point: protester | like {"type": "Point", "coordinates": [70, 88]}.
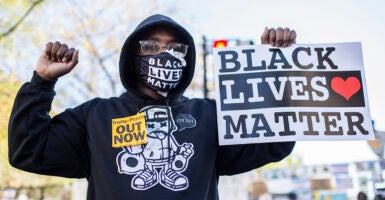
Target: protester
{"type": "Point", "coordinates": [180, 159]}
{"type": "Point", "coordinates": [361, 196]}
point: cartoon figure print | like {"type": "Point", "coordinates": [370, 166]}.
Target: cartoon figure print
{"type": "Point", "coordinates": [162, 159]}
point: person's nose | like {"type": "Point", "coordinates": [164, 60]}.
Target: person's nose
{"type": "Point", "coordinates": [163, 48]}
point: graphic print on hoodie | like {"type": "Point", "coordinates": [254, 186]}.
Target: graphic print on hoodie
{"type": "Point", "coordinates": [162, 159]}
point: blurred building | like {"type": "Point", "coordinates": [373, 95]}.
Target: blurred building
{"type": "Point", "coordinates": [237, 186]}
{"type": "Point", "coordinates": [329, 181]}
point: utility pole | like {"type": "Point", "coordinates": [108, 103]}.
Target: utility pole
{"type": "Point", "coordinates": [205, 53]}
{"type": "Point", "coordinates": [217, 44]}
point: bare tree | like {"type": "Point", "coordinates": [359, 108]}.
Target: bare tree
{"type": "Point", "coordinates": [97, 28]}
{"type": "Point", "coordinates": [107, 26]}
{"type": "Point", "coordinates": [19, 20]}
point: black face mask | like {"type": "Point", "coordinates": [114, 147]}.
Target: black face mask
{"type": "Point", "coordinates": [161, 72]}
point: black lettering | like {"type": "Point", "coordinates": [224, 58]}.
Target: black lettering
{"type": "Point", "coordinates": [275, 60]}
{"type": "Point", "coordinates": [175, 75]}
{"type": "Point", "coordinates": [233, 59]}
{"type": "Point", "coordinates": [322, 58]}
{"type": "Point", "coordinates": [309, 116]}
{"type": "Point", "coordinates": [229, 122]}
{"type": "Point", "coordinates": [139, 135]}
{"type": "Point", "coordinates": [332, 122]}
{"type": "Point", "coordinates": [128, 129]}
{"type": "Point", "coordinates": [127, 138]}
{"type": "Point", "coordinates": [357, 124]}
{"type": "Point", "coordinates": [120, 129]}
{"type": "Point", "coordinates": [166, 73]}
{"type": "Point", "coordinates": [285, 117]}
{"type": "Point", "coordinates": [118, 139]}
{"type": "Point", "coordinates": [249, 66]}
{"type": "Point", "coordinates": [138, 126]}
{"type": "Point", "coordinates": [295, 57]}
{"type": "Point", "coordinates": [265, 126]}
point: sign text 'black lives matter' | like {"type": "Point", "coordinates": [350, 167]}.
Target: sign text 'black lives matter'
{"type": "Point", "coordinates": [304, 92]}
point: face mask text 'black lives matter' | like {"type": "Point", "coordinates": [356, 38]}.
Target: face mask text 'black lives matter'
{"type": "Point", "coordinates": [161, 72]}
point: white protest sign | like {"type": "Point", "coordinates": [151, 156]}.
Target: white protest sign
{"type": "Point", "coordinates": [303, 92]}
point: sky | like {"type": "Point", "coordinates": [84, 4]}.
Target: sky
{"type": "Point", "coordinates": [326, 21]}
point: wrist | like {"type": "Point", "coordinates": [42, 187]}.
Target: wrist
{"type": "Point", "coordinates": [45, 76]}
{"type": "Point", "coordinates": [43, 83]}
{"type": "Point", "coordinates": [38, 80]}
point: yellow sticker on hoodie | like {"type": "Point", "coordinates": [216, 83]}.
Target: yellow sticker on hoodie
{"type": "Point", "coordinates": [129, 131]}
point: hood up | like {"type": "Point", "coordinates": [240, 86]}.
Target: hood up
{"type": "Point", "coordinates": [127, 65]}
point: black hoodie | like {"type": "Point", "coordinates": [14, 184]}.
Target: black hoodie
{"type": "Point", "coordinates": [180, 160]}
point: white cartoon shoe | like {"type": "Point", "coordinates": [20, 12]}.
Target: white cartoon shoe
{"type": "Point", "coordinates": [173, 180]}
{"type": "Point", "coordinates": [145, 179]}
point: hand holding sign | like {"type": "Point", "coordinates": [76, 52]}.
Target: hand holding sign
{"type": "Point", "coordinates": [278, 37]}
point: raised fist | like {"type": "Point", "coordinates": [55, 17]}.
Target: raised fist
{"type": "Point", "coordinates": [56, 60]}
{"type": "Point", "coordinates": [278, 37]}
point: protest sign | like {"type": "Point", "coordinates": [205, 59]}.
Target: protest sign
{"type": "Point", "coordinates": [302, 92]}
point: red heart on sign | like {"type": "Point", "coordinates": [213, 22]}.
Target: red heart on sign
{"type": "Point", "coordinates": [346, 88]}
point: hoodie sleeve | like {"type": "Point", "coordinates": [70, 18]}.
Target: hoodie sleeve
{"type": "Point", "coordinates": [235, 159]}
{"type": "Point", "coordinates": [41, 144]}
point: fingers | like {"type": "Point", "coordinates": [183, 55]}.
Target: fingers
{"type": "Point", "coordinates": [58, 52]}
{"type": "Point", "coordinates": [68, 55]}
{"type": "Point", "coordinates": [293, 37]}
{"type": "Point", "coordinates": [268, 36]}
{"type": "Point", "coordinates": [278, 37]}
{"type": "Point", "coordinates": [272, 37]}
{"type": "Point", "coordinates": [47, 50]}
{"type": "Point", "coordinates": [74, 59]}
{"type": "Point", "coordinates": [265, 36]}
{"type": "Point", "coordinates": [55, 48]}
{"type": "Point", "coordinates": [286, 37]}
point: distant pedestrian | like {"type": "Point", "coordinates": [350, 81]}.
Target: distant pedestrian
{"type": "Point", "coordinates": [362, 196]}
{"type": "Point", "coordinates": [292, 196]}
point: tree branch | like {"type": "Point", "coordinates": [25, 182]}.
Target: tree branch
{"type": "Point", "coordinates": [13, 28]}
{"type": "Point", "coordinates": [95, 53]}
